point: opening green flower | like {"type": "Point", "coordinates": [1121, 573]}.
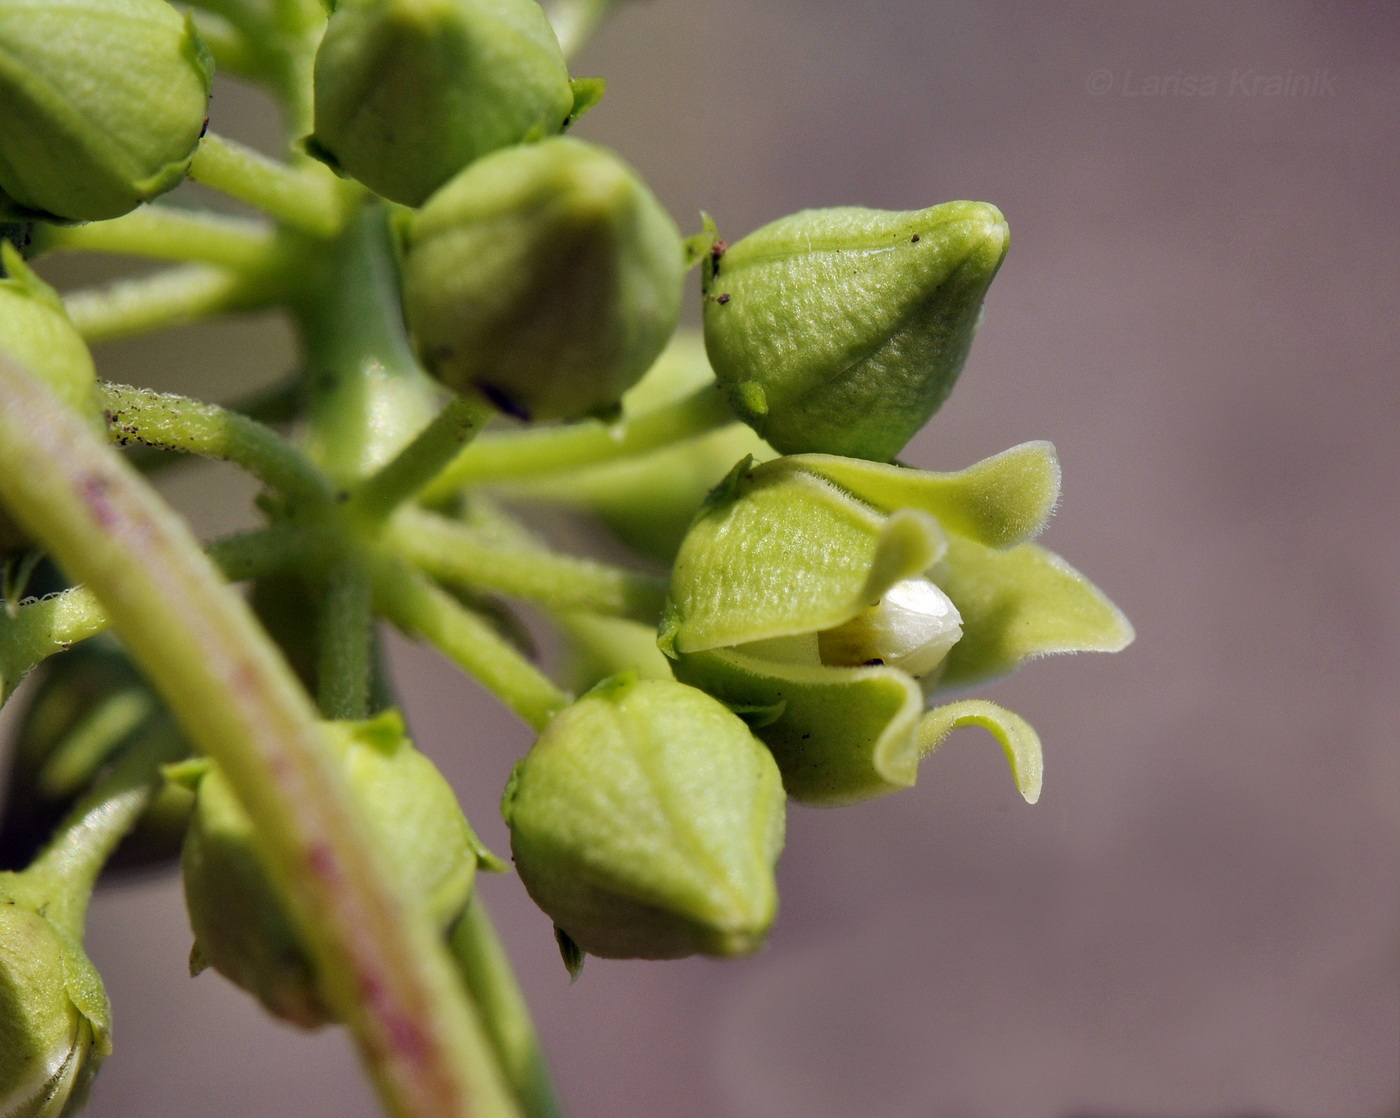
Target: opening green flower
{"type": "Point", "coordinates": [823, 597]}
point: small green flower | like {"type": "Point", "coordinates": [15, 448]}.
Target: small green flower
{"type": "Point", "coordinates": [646, 822]}
{"type": "Point", "coordinates": [102, 104]}
{"type": "Point", "coordinates": [547, 277]}
{"type": "Point", "coordinates": [240, 925]}
{"type": "Point", "coordinates": [36, 332]}
{"type": "Point", "coordinates": [822, 596]}
{"type": "Point", "coordinates": [842, 331]}
{"type": "Point", "coordinates": [408, 92]}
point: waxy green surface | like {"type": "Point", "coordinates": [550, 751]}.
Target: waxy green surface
{"type": "Point", "coordinates": [646, 822]}
{"type": "Point", "coordinates": [34, 329]}
{"type": "Point", "coordinates": [54, 1018]}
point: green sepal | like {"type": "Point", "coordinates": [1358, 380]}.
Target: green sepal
{"type": "Point", "coordinates": [36, 331]}
{"type": "Point", "coordinates": [571, 954]}
{"type": "Point", "coordinates": [55, 1020]}
{"type": "Point", "coordinates": [841, 735]}
{"type": "Point", "coordinates": [20, 278]}
{"type": "Point", "coordinates": [106, 103]}
{"type": "Point", "coordinates": [700, 245]}
{"type": "Point", "coordinates": [408, 94]}
{"type": "Point", "coordinates": [587, 93]}
{"type": "Point", "coordinates": [545, 276]}
{"type": "Point", "coordinates": [1018, 604]}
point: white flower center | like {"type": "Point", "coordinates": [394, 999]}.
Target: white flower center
{"type": "Point", "coordinates": [912, 628]}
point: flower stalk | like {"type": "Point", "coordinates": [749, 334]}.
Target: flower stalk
{"type": "Point", "coordinates": [386, 973]}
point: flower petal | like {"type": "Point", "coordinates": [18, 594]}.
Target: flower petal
{"type": "Point", "coordinates": [1000, 501]}
{"type": "Point", "coordinates": [1017, 604]}
{"type": "Point", "coordinates": [1017, 737]}
{"type": "Point", "coordinates": [841, 735]}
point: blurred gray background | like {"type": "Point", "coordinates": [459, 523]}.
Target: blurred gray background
{"type": "Point", "coordinates": [1201, 917]}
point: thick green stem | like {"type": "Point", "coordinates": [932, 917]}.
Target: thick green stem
{"type": "Point", "coordinates": [345, 627]}
{"type": "Point", "coordinates": [401, 479]}
{"type": "Point", "coordinates": [422, 609]}
{"type": "Point", "coordinates": [165, 233]}
{"type": "Point", "coordinates": [171, 298]}
{"type": "Point", "coordinates": [384, 969]}
{"type": "Point", "coordinates": [308, 198]}
{"type": "Point", "coordinates": [548, 450]}
{"type": "Point", "coordinates": [460, 555]}
{"type": "Point", "coordinates": [177, 423]}
{"type": "Point", "coordinates": [367, 396]}
{"type": "Point", "coordinates": [487, 972]}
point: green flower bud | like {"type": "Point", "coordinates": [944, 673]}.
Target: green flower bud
{"type": "Point", "coordinates": [36, 332]}
{"type": "Point", "coordinates": [546, 276]}
{"type": "Point", "coordinates": [102, 104]}
{"type": "Point", "coordinates": [408, 92]}
{"type": "Point", "coordinates": [823, 596]}
{"type": "Point", "coordinates": [240, 925]}
{"type": "Point", "coordinates": [646, 822]}
{"type": "Point", "coordinates": [55, 1023]}
{"type": "Point", "coordinates": [842, 331]}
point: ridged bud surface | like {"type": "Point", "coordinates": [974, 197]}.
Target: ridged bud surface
{"type": "Point", "coordinates": [546, 276]}
{"type": "Point", "coordinates": [408, 92]}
